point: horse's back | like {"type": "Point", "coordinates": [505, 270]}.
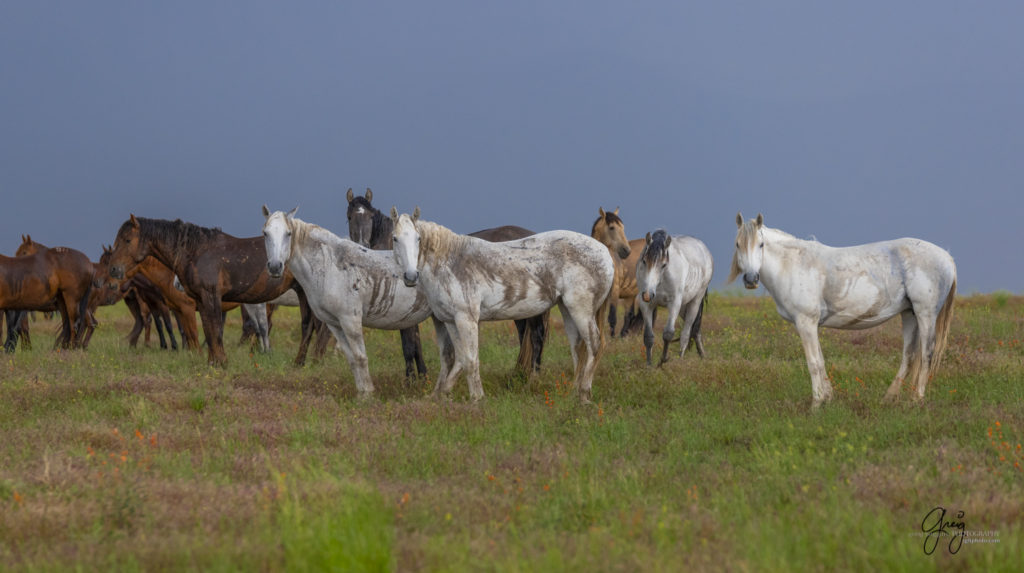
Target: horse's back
{"type": "Point", "coordinates": [503, 233]}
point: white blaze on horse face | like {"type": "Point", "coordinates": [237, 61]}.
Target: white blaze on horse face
{"type": "Point", "coordinates": [648, 279]}
{"type": "Point", "coordinates": [406, 249]}
{"type": "Point", "coordinates": [277, 240]}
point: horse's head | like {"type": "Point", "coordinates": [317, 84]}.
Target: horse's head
{"type": "Point", "coordinates": [277, 238]}
{"type": "Point", "coordinates": [129, 248]}
{"type": "Point", "coordinates": [360, 217]}
{"type": "Point", "coordinates": [652, 264]}
{"type": "Point", "coordinates": [104, 287]}
{"type": "Point", "coordinates": [28, 247]}
{"type": "Point", "coordinates": [611, 231]}
{"type": "Point", "coordinates": [406, 245]}
{"type": "Point", "coordinates": [749, 251]}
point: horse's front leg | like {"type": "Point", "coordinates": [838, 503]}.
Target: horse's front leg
{"type": "Point", "coordinates": [467, 354]}
{"type": "Point", "coordinates": [648, 311]}
{"type": "Point", "coordinates": [450, 367]}
{"type": "Point", "coordinates": [669, 332]}
{"type": "Point", "coordinates": [350, 336]}
{"type": "Point", "coordinates": [821, 387]}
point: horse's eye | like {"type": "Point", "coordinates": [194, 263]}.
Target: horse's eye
{"type": "Point", "coordinates": [737, 244]}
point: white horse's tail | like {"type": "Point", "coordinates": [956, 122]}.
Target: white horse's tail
{"type": "Point", "coordinates": [942, 329]}
{"type": "Point", "coordinates": [695, 329]}
{"type": "Point", "coordinates": [942, 321]}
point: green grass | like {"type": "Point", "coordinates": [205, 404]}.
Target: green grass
{"type": "Point", "coordinates": [142, 459]}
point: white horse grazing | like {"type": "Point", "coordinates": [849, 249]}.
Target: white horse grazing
{"type": "Point", "coordinates": [348, 286]}
{"type": "Point", "coordinates": [673, 272]}
{"type": "Point", "coordinates": [853, 288]}
{"type": "Point", "coordinates": [467, 280]}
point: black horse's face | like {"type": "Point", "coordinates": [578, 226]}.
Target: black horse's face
{"type": "Point", "coordinates": [360, 221]}
{"type": "Point", "coordinates": [129, 249]}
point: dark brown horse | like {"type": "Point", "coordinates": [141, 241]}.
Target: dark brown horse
{"type": "Point", "coordinates": [371, 228]}
{"type": "Point", "coordinates": [212, 266]}
{"type": "Point", "coordinates": [58, 279]}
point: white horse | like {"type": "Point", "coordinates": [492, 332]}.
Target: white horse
{"type": "Point", "coordinates": [467, 280]}
{"type": "Point", "coordinates": [348, 286]}
{"type": "Point", "coordinates": [853, 288]}
{"type": "Point", "coordinates": [673, 272]}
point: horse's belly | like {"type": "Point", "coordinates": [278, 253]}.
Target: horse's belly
{"type": "Point", "coordinates": [863, 316]}
{"type": "Point", "coordinates": [515, 311]}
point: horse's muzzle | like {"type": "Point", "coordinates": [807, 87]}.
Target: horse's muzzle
{"type": "Point", "coordinates": [275, 269]}
{"type": "Point", "coordinates": [410, 278]}
{"type": "Point", "coordinates": [624, 251]}
{"type": "Point", "coordinates": [647, 296]}
{"type": "Point", "coordinates": [750, 280]}
{"type": "Point", "coordinates": [117, 272]}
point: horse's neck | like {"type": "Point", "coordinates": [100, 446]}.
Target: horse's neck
{"type": "Point", "coordinates": [778, 249]}
{"type": "Point", "coordinates": [380, 235]}
{"type": "Point", "coordinates": [172, 253]}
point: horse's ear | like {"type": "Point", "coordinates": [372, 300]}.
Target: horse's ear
{"type": "Point", "coordinates": [600, 211]}
{"type": "Point", "coordinates": [266, 212]}
{"type": "Point", "coordinates": [759, 221]}
{"type": "Point", "coordinates": [616, 211]}
{"type": "Point", "coordinates": [349, 195]}
{"type": "Point", "coordinates": [648, 238]}
{"type": "Point", "coordinates": [416, 214]}
{"type": "Point", "coordinates": [739, 219]}
{"type": "Point", "coordinates": [369, 194]}
{"type": "Point", "coordinates": [394, 213]}
{"type": "Point", "coordinates": [135, 222]}
{"type": "Point", "coordinates": [291, 214]}
{"type": "Point", "coordinates": [668, 241]}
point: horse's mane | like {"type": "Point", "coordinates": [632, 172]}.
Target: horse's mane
{"type": "Point", "coordinates": [183, 237]}
{"type": "Point", "coordinates": [656, 248]}
{"type": "Point", "coordinates": [609, 218]}
{"type": "Point", "coordinates": [441, 242]}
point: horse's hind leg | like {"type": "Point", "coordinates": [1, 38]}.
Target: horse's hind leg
{"type": "Point", "coordinates": [909, 355]}
{"type": "Point", "coordinates": [582, 327]}
{"type": "Point", "coordinates": [412, 350]}
{"type": "Point", "coordinates": [926, 336]}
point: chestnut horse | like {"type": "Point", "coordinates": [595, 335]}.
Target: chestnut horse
{"type": "Point", "coordinates": [212, 266]}
{"type": "Point", "coordinates": [58, 279]}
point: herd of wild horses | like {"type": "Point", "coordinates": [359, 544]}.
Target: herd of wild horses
{"type": "Point", "coordinates": [396, 270]}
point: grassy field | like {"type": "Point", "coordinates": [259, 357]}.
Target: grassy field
{"type": "Point", "coordinates": [142, 459]}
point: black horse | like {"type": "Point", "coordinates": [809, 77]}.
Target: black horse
{"type": "Point", "coordinates": [371, 228]}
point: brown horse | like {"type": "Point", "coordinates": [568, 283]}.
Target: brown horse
{"type": "Point", "coordinates": [58, 279]}
{"type": "Point", "coordinates": [611, 231]}
{"type": "Point", "coordinates": [212, 267]}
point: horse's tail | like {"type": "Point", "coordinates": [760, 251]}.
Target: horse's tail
{"type": "Point", "coordinates": [695, 329]}
{"type": "Point", "coordinates": [942, 329]}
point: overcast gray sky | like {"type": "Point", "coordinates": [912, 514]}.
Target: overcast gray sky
{"type": "Point", "coordinates": [850, 122]}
